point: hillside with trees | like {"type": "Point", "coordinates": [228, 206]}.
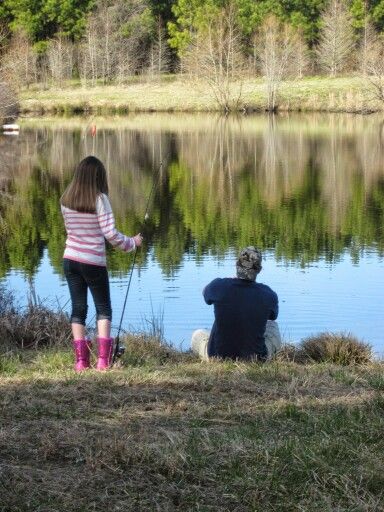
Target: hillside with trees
{"type": "Point", "coordinates": [221, 42]}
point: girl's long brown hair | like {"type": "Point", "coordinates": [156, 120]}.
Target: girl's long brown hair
{"type": "Point", "coordinates": [89, 180]}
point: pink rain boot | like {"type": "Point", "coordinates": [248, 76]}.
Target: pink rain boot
{"type": "Point", "coordinates": [105, 349]}
{"type": "Point", "coordinates": [82, 354]}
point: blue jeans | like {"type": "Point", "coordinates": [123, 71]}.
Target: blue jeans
{"type": "Point", "coordinates": [80, 277]}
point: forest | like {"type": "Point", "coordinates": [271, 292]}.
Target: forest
{"type": "Point", "coordinates": [104, 41]}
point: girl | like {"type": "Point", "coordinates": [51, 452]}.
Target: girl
{"type": "Point", "coordinates": [88, 221]}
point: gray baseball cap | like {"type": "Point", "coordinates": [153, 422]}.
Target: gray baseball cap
{"type": "Point", "coordinates": [248, 264]}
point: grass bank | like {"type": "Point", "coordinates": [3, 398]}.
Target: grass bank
{"type": "Point", "coordinates": [167, 432]}
{"type": "Point", "coordinates": [315, 94]}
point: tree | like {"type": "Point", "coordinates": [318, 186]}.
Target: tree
{"type": "Point", "coordinates": [4, 37]}
{"type": "Point", "coordinates": [60, 57]}
{"type": "Point", "coordinates": [301, 14]}
{"type": "Point", "coordinates": [159, 53]}
{"type": "Point", "coordinates": [191, 15]}
{"type": "Point", "coordinates": [277, 47]}
{"type": "Point", "coordinates": [377, 13]}
{"type": "Point", "coordinates": [116, 41]}
{"type": "Point", "coordinates": [19, 64]}
{"type": "Point", "coordinates": [162, 9]}
{"type": "Point", "coordinates": [336, 41]}
{"type": "Point", "coordinates": [214, 55]}
{"type": "Point", "coordinates": [43, 19]}
{"type": "Point", "coordinates": [367, 47]}
{"type": "Point", "coordinates": [374, 65]}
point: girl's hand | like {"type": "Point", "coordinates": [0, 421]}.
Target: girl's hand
{"type": "Point", "coordinates": [138, 239]}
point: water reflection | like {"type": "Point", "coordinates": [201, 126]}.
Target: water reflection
{"type": "Point", "coordinates": [306, 187]}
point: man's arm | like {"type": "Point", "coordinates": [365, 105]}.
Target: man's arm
{"type": "Point", "coordinates": [210, 291]}
{"type": "Point", "coordinates": [275, 308]}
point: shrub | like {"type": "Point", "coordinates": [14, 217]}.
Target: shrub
{"type": "Point", "coordinates": [342, 348]}
{"type": "Point", "coordinates": [33, 327]}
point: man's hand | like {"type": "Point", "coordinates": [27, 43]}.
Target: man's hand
{"type": "Point", "coordinates": [138, 239]}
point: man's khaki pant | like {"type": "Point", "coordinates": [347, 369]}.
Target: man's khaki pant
{"type": "Point", "coordinates": [199, 342]}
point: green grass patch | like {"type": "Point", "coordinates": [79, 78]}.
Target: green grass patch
{"type": "Point", "coordinates": [178, 94]}
{"type": "Point", "coordinates": [165, 431]}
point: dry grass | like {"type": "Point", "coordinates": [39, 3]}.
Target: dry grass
{"type": "Point", "coordinates": [314, 94]}
{"type": "Point", "coordinates": [342, 349]}
{"type": "Point", "coordinates": [34, 326]}
{"type": "Point", "coordinates": [166, 432]}
{"type": "Point", "coordinates": [190, 436]}
{"type": "Point", "coordinates": [143, 349]}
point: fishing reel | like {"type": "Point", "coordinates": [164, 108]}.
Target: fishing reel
{"type": "Point", "coordinates": [120, 351]}
{"type": "Point", "coordinates": [117, 353]}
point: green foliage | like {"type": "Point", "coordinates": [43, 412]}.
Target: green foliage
{"type": "Point", "coordinates": [5, 14]}
{"type": "Point", "coordinates": [43, 19]}
{"type": "Point", "coordinates": [162, 8]}
{"type": "Point", "coordinates": [378, 13]}
{"type": "Point", "coordinates": [191, 15]}
{"type": "Point", "coordinates": [143, 22]}
{"type": "Point", "coordinates": [359, 14]}
{"type": "Point", "coordinates": [187, 13]}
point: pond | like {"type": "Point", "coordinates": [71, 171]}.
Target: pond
{"type": "Point", "coordinates": [306, 189]}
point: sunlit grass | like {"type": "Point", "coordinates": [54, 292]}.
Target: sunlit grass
{"type": "Point", "coordinates": [165, 431]}
{"type": "Point", "coordinates": [342, 94]}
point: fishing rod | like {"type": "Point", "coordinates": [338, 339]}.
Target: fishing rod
{"type": "Point", "coordinates": [120, 349]}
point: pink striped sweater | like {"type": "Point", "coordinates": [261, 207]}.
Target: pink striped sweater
{"type": "Point", "coordinates": [86, 233]}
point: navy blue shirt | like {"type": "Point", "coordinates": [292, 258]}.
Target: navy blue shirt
{"type": "Point", "coordinates": [242, 309]}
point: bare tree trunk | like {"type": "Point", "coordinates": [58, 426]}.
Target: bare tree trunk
{"type": "Point", "coordinates": [60, 60]}
{"type": "Point", "coordinates": [215, 57]}
{"type": "Point", "coordinates": [368, 47]}
{"type": "Point", "coordinates": [277, 45]}
{"type": "Point", "coordinates": [19, 62]}
{"type": "Point", "coordinates": [159, 53]}
{"type": "Point", "coordinates": [374, 67]}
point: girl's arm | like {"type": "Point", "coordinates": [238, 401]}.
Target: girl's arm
{"type": "Point", "coordinates": [107, 225]}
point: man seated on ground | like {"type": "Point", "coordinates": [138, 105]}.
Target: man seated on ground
{"type": "Point", "coordinates": [245, 311]}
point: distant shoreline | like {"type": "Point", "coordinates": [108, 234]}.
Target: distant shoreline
{"type": "Point", "coordinates": [314, 94]}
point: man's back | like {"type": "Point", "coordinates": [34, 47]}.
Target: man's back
{"type": "Point", "coordinates": [242, 308]}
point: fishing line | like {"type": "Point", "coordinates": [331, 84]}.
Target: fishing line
{"type": "Point", "coordinates": [120, 349]}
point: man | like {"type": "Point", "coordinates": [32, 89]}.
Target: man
{"type": "Point", "coordinates": [245, 311]}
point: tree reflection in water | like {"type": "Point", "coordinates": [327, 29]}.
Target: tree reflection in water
{"type": "Point", "coordinates": [307, 187]}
